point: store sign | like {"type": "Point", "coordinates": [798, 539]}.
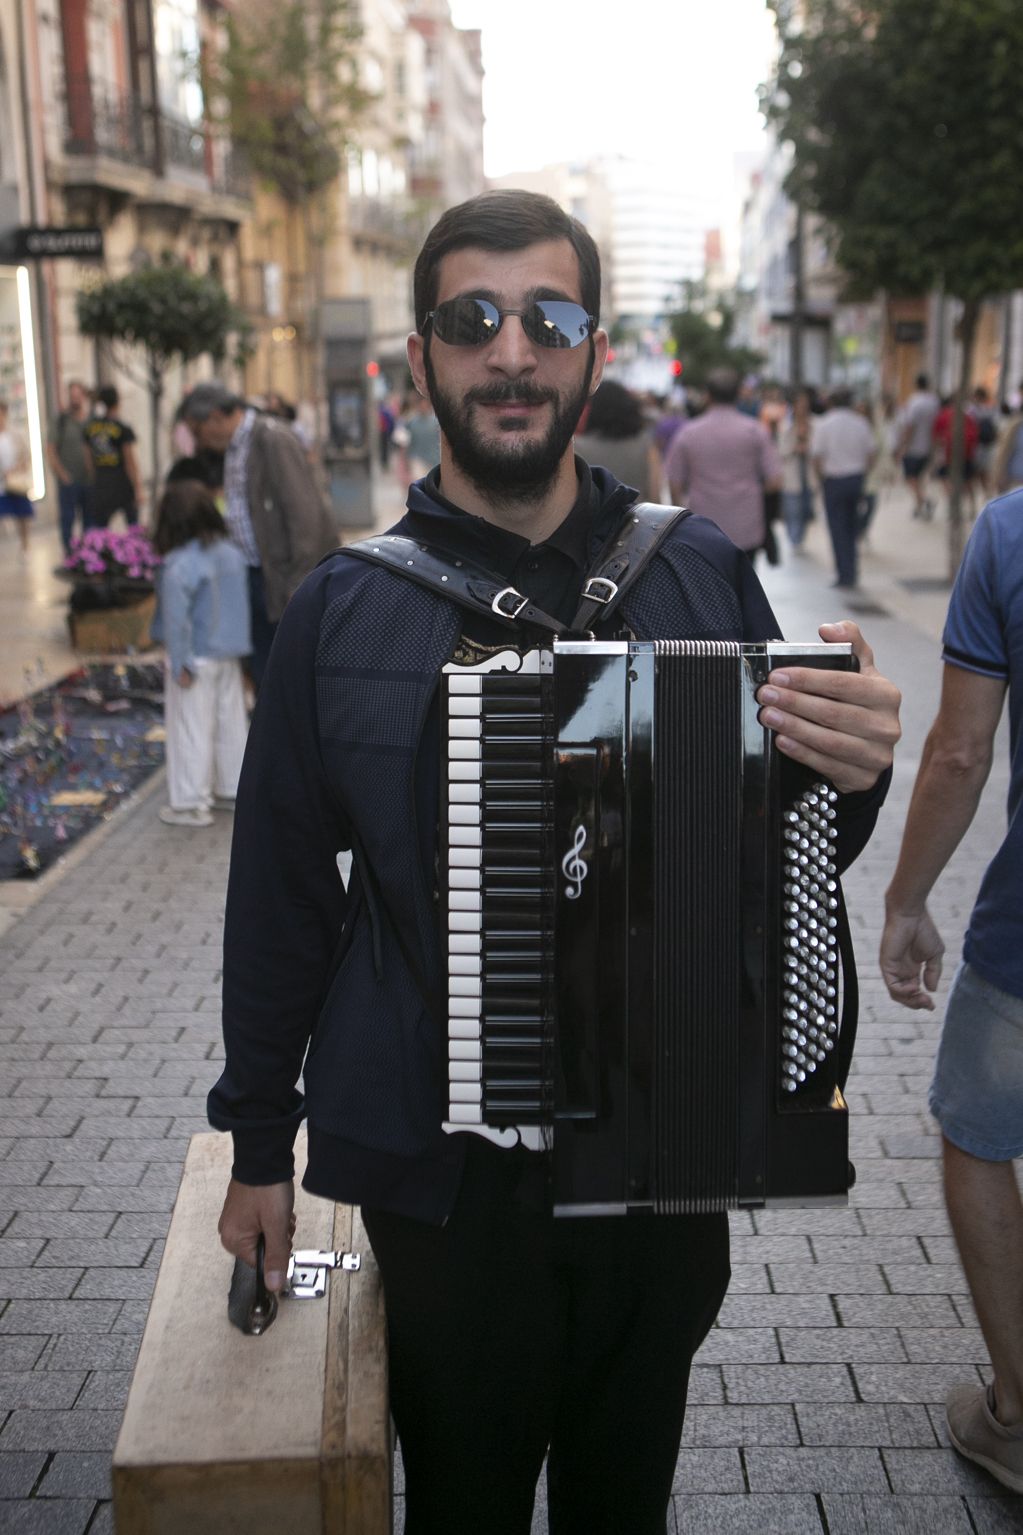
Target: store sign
{"type": "Point", "coordinates": [80, 244]}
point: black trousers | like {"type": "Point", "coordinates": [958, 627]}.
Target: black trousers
{"type": "Point", "coordinates": [513, 1334]}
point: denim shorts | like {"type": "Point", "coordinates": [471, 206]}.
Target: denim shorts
{"type": "Point", "coordinates": [977, 1092]}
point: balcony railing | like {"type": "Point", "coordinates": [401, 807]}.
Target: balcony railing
{"type": "Point", "coordinates": [375, 218]}
{"type": "Point", "coordinates": [103, 121]}
{"type": "Point", "coordinates": [184, 144]}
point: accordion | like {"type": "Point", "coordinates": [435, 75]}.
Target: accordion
{"type": "Point", "coordinates": [642, 912]}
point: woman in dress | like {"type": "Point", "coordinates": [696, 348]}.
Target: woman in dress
{"type": "Point", "coordinates": [14, 477]}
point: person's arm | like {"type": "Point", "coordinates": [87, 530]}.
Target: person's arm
{"type": "Point", "coordinates": [54, 461]}
{"type": "Point", "coordinates": [305, 532]}
{"type": "Point", "coordinates": [770, 462]}
{"type": "Point", "coordinates": [131, 466]}
{"type": "Point", "coordinates": [953, 771]}
{"type": "Point", "coordinates": [286, 907]}
{"type": "Point", "coordinates": [179, 586]}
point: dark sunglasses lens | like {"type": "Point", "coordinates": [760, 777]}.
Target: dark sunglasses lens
{"type": "Point", "coordinates": [466, 321]}
{"type": "Point", "coordinates": [556, 323]}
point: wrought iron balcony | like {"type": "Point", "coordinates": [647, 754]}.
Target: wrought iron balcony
{"type": "Point", "coordinates": [183, 144]}
{"type": "Point", "coordinates": [100, 120]}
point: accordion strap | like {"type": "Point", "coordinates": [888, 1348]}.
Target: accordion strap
{"type": "Point", "coordinates": [617, 566]}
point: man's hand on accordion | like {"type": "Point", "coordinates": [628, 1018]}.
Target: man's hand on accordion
{"type": "Point", "coordinates": [844, 725]}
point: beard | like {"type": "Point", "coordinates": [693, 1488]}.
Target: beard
{"type": "Point", "coordinates": [512, 471]}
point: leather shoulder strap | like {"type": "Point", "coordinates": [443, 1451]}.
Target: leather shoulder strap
{"type": "Point", "coordinates": [624, 558]}
{"type": "Point", "coordinates": [473, 587]}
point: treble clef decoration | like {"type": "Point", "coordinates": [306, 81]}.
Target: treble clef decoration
{"type": "Point", "coordinates": [574, 868]}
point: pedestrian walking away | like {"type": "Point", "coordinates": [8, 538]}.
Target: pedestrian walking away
{"type": "Point", "coordinates": [843, 451]}
{"type": "Point", "coordinates": [795, 436]}
{"type": "Point", "coordinates": [513, 1333]}
{"type": "Point", "coordinates": [977, 1092]}
{"type": "Point", "coordinates": [916, 426]}
{"type": "Point", "coordinates": [203, 620]}
{"type": "Point", "coordinates": [275, 513]}
{"type": "Point", "coordinates": [116, 481]}
{"type": "Point", "coordinates": [722, 463]}
{"type": "Point", "coordinates": [69, 458]}
{"type": "Point", "coordinates": [618, 438]}
{"type": "Point", "coordinates": [14, 480]}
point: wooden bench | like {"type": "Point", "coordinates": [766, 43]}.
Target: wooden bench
{"type": "Point", "coordinates": [225, 1433]}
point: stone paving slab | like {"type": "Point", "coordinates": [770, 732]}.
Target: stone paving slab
{"type": "Point", "coordinates": [816, 1402]}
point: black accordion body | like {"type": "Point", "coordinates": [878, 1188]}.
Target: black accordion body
{"type": "Point", "coordinates": [642, 914]}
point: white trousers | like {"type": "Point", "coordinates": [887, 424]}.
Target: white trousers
{"type": "Point", "coordinates": [206, 728]}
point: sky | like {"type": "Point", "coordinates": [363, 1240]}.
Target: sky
{"type": "Point", "coordinates": [674, 81]}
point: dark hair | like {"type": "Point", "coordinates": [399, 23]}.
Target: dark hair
{"type": "Point", "coordinates": [505, 219]}
{"type": "Point", "coordinates": [200, 403]}
{"type": "Point", "coordinates": [922, 381]}
{"type": "Point", "coordinates": [207, 468]}
{"type": "Point", "coordinates": [187, 511]}
{"type": "Point", "coordinates": [614, 412]}
{"type": "Point", "coordinates": [723, 385]}
{"type": "Point", "coordinates": [841, 397]}
{"type": "Point", "coordinates": [108, 397]}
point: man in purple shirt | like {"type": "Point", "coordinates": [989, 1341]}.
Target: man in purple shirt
{"type": "Point", "coordinates": [722, 464]}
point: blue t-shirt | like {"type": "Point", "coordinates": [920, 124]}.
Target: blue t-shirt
{"type": "Point", "coordinates": [984, 633]}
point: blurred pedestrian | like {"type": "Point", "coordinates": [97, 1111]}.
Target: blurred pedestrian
{"type": "Point", "coordinates": [773, 409]}
{"type": "Point", "coordinates": [423, 446]}
{"type": "Point", "coordinates": [795, 437]}
{"type": "Point", "coordinates": [721, 464]}
{"type": "Point", "coordinates": [1007, 470]}
{"type": "Point", "coordinates": [14, 477]}
{"type": "Point", "coordinates": [618, 438]}
{"type": "Point", "coordinates": [202, 618]}
{"type": "Point", "coordinates": [69, 459]}
{"type": "Point", "coordinates": [843, 451]}
{"type": "Point", "coordinates": [275, 513]}
{"type": "Point", "coordinates": [916, 428]}
{"type": "Point", "coordinates": [982, 409]}
{"type": "Point", "coordinates": [116, 481]}
{"type": "Point", "coordinates": [944, 431]}
{"type": "Point", "coordinates": [673, 416]}
{"type": "Point", "coordinates": [878, 415]}
{"type": "Point", "coordinates": [977, 1092]}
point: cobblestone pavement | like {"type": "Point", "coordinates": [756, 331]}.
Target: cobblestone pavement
{"type": "Point", "coordinates": [816, 1401]}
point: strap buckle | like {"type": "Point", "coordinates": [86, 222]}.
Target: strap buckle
{"type": "Point", "coordinates": [600, 589]}
{"type": "Point", "coordinates": [516, 602]}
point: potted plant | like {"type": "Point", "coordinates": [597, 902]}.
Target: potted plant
{"type": "Point", "coordinates": [112, 598]}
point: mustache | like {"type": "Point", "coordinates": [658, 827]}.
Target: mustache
{"type": "Point", "coordinates": [520, 392]}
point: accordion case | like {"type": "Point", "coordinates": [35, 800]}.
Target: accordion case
{"type": "Point", "coordinates": [642, 911]}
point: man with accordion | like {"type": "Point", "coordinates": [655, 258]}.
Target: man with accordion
{"type": "Point", "coordinates": [520, 1327]}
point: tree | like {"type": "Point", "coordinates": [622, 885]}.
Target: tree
{"type": "Point", "coordinates": [906, 122]}
{"type": "Point", "coordinates": [702, 332]}
{"type": "Point", "coordinates": [171, 315]}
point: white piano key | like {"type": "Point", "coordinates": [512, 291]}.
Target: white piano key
{"type": "Point", "coordinates": [464, 986]}
{"type": "Point", "coordinates": [464, 1071]}
{"type": "Point", "coordinates": [463, 1028]}
{"type": "Point", "coordinates": [465, 793]}
{"type": "Point", "coordinates": [463, 751]}
{"type": "Point", "coordinates": [463, 815]}
{"type": "Point", "coordinates": [465, 1114]}
{"type": "Point", "coordinates": [462, 705]}
{"type": "Point", "coordinates": [463, 1007]}
{"type": "Point", "coordinates": [464, 772]}
{"type": "Point", "coordinates": [467, 728]}
{"type": "Point", "coordinates": [465, 836]}
{"type": "Point", "coordinates": [465, 900]}
{"type": "Point", "coordinates": [464, 858]}
{"type": "Point", "coordinates": [465, 964]}
{"type": "Point", "coordinates": [471, 682]}
{"type": "Point", "coordinates": [465, 1092]}
{"type": "Point", "coordinates": [464, 922]}
{"type": "Point", "coordinates": [464, 1050]}
{"type": "Point", "coordinates": [464, 943]}
{"type": "Point", "coordinates": [464, 879]}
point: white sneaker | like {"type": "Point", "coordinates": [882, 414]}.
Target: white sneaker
{"type": "Point", "coordinates": [171, 817]}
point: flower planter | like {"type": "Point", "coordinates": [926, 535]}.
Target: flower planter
{"type": "Point", "coordinates": [113, 631]}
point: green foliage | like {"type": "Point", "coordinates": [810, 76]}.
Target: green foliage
{"type": "Point", "coordinates": [288, 79]}
{"type": "Point", "coordinates": [702, 331]}
{"type": "Point", "coordinates": [906, 120]}
{"type": "Point", "coordinates": [166, 310]}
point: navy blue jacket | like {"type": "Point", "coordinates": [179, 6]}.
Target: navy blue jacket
{"type": "Point", "coordinates": [343, 754]}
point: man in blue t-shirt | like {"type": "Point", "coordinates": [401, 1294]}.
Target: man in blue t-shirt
{"type": "Point", "coordinates": [977, 1093]}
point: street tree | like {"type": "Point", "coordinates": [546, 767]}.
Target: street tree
{"type": "Point", "coordinates": [906, 122]}
{"type": "Point", "coordinates": [169, 314]}
{"type": "Point", "coordinates": [701, 330]}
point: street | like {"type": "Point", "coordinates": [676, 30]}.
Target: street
{"type": "Point", "coordinates": [816, 1404]}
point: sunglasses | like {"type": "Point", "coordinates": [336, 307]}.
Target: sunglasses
{"type": "Point", "coordinates": [548, 322]}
